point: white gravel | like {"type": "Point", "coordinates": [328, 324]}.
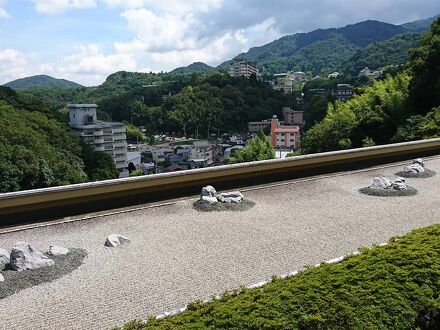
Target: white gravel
{"type": "Point", "coordinates": [178, 255]}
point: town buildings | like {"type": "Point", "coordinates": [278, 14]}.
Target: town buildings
{"type": "Point", "coordinates": [108, 137]}
{"type": "Point", "coordinates": [366, 72]}
{"type": "Point", "coordinates": [290, 117]}
{"type": "Point", "coordinates": [243, 68]}
{"type": "Point", "coordinates": [284, 136]}
{"type": "Point", "coordinates": [343, 92]}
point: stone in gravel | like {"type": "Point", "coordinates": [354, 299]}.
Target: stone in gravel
{"type": "Point", "coordinates": [399, 184]}
{"type": "Point", "coordinates": [230, 197]}
{"type": "Point", "coordinates": [114, 240]}
{"type": "Point", "coordinates": [209, 191]}
{"type": "Point", "coordinates": [208, 200]}
{"type": "Point", "coordinates": [57, 251]}
{"type": "Point", "coordinates": [1, 278]}
{"type": "Point", "coordinates": [419, 161]}
{"type": "Point", "coordinates": [381, 182]}
{"type": "Point", "coordinates": [24, 256]}
{"type": "Point", "coordinates": [4, 258]}
{"type": "Point", "coordinates": [414, 168]}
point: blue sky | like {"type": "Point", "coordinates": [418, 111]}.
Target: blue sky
{"type": "Point", "coordinates": [86, 40]}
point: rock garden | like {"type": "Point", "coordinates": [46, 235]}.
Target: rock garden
{"type": "Point", "coordinates": [384, 187]}
{"type": "Point", "coordinates": [211, 201]}
{"type": "Point", "coordinates": [416, 170]}
{"type": "Point", "coordinates": [25, 266]}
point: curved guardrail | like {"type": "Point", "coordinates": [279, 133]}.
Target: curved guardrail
{"type": "Point", "coordinates": [106, 194]}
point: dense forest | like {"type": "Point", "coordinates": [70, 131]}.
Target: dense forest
{"type": "Point", "coordinates": [399, 108]}
{"type": "Point", "coordinates": [38, 150]}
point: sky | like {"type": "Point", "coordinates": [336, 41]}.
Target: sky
{"type": "Point", "coordinates": [87, 40]}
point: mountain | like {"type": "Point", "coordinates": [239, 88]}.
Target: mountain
{"type": "Point", "coordinates": [420, 25]}
{"type": "Point", "coordinates": [41, 81]}
{"type": "Point", "coordinates": [325, 50]}
{"type": "Point", "coordinates": [393, 51]}
{"type": "Point", "coordinates": [195, 67]}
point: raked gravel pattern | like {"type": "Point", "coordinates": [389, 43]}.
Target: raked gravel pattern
{"type": "Point", "coordinates": [178, 254]}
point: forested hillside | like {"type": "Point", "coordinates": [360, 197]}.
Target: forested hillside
{"type": "Point", "coordinates": [401, 108]}
{"type": "Point", "coordinates": [393, 51]}
{"type": "Point", "coordinates": [41, 81]}
{"type": "Point", "coordinates": [37, 149]}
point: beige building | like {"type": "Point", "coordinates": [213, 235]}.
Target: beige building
{"type": "Point", "coordinates": [243, 68]}
{"type": "Point", "coordinates": [108, 137]}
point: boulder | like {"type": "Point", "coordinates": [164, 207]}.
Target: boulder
{"type": "Point", "coordinates": [1, 278]}
{"type": "Point", "coordinates": [57, 251]}
{"type": "Point", "coordinates": [399, 184]}
{"type": "Point", "coordinates": [4, 258]}
{"type": "Point", "coordinates": [209, 191]}
{"type": "Point", "coordinates": [414, 168]}
{"type": "Point", "coordinates": [230, 197]}
{"type": "Point", "coordinates": [381, 182]}
{"type": "Point", "coordinates": [114, 240]}
{"type": "Point", "coordinates": [24, 256]}
{"type": "Point", "coordinates": [419, 161]}
{"type": "Point", "coordinates": [208, 200]}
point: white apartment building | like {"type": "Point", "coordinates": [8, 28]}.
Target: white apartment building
{"type": "Point", "coordinates": [243, 68]}
{"type": "Point", "coordinates": [108, 137]}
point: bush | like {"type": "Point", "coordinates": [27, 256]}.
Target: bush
{"type": "Point", "coordinates": [387, 287]}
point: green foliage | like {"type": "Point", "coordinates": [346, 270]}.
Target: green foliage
{"type": "Point", "coordinates": [98, 165]}
{"type": "Point", "coordinates": [424, 87]}
{"type": "Point", "coordinates": [137, 173]}
{"type": "Point", "coordinates": [259, 148]}
{"type": "Point", "coordinates": [36, 151]}
{"type": "Point", "coordinates": [368, 142]}
{"type": "Point", "coordinates": [134, 134]}
{"type": "Point", "coordinates": [41, 81]}
{"type": "Point", "coordinates": [393, 51]}
{"type": "Point", "coordinates": [375, 113]}
{"type": "Point", "coordinates": [389, 287]}
{"type": "Point", "coordinates": [420, 127]}
{"type": "Point", "coordinates": [321, 51]}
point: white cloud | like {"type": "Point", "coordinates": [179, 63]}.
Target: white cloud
{"type": "Point", "coordinates": [59, 6]}
{"type": "Point", "coordinates": [3, 12]}
{"type": "Point", "coordinates": [89, 65]}
{"type": "Point", "coordinates": [13, 65]}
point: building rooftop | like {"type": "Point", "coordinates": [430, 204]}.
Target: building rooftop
{"type": "Point", "coordinates": [81, 105]}
{"type": "Point", "coordinates": [178, 254]}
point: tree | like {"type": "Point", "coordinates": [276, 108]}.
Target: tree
{"type": "Point", "coordinates": [258, 148]}
{"type": "Point", "coordinates": [424, 88]}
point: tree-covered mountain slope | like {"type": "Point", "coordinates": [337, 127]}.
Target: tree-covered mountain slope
{"type": "Point", "coordinates": [41, 81]}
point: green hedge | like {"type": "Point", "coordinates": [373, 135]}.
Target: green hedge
{"type": "Point", "coordinates": [386, 287]}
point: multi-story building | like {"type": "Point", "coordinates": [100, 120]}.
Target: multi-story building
{"type": "Point", "coordinates": [292, 117]}
{"type": "Point", "coordinates": [283, 136]}
{"type": "Point", "coordinates": [343, 92]}
{"type": "Point", "coordinates": [108, 137]}
{"type": "Point", "coordinates": [243, 68]}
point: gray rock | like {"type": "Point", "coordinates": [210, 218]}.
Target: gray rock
{"type": "Point", "coordinates": [1, 278]}
{"type": "Point", "coordinates": [24, 256]}
{"type": "Point", "coordinates": [381, 182]}
{"type": "Point", "coordinates": [230, 197]}
{"type": "Point", "coordinates": [208, 200]}
{"type": "Point", "coordinates": [57, 251]}
{"type": "Point", "coordinates": [414, 168]}
{"type": "Point", "coordinates": [4, 258]}
{"type": "Point", "coordinates": [419, 161]}
{"type": "Point", "coordinates": [114, 240]}
{"type": "Point", "coordinates": [399, 184]}
{"type": "Point", "coordinates": [209, 191]}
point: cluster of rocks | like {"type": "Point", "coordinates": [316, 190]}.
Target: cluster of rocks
{"type": "Point", "coordinates": [210, 196]}
{"type": "Point", "coordinates": [24, 257]}
{"type": "Point", "coordinates": [417, 166]}
{"type": "Point", "coordinates": [381, 182]}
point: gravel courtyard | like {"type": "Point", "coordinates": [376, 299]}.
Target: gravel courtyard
{"type": "Point", "coordinates": [178, 254]}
